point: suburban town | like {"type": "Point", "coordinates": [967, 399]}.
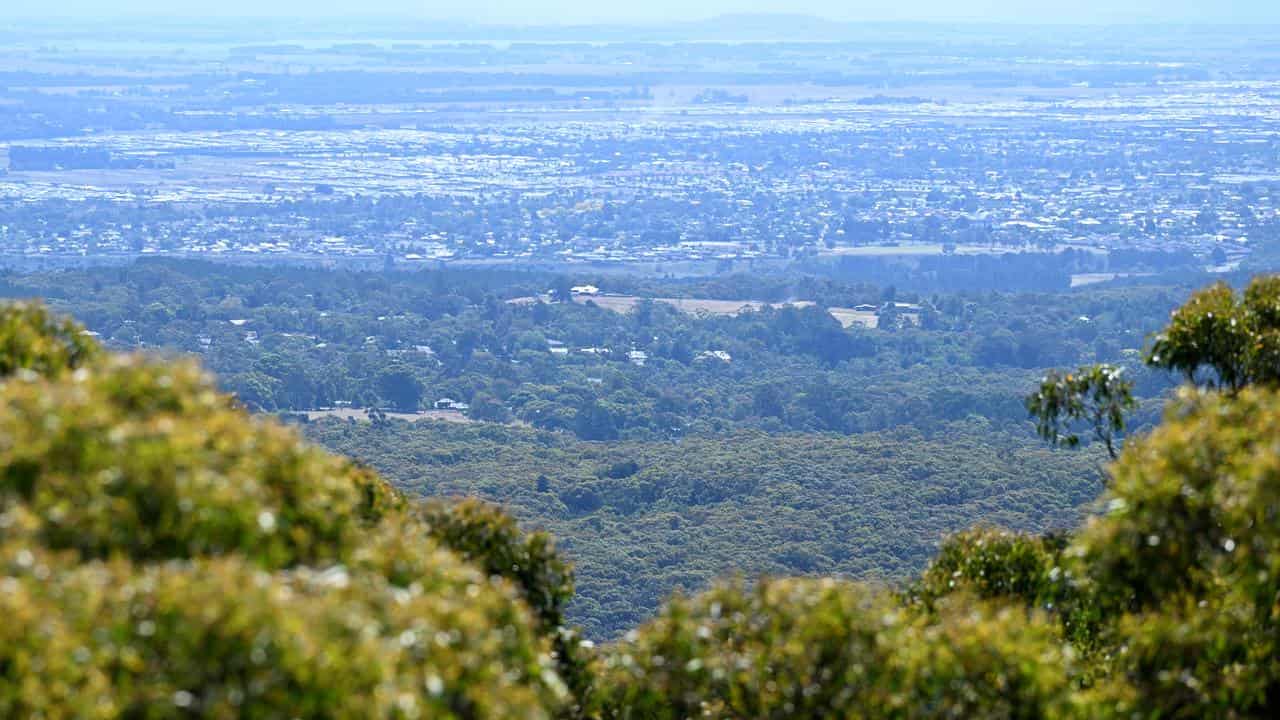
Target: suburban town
{"type": "Point", "coordinates": [614, 160]}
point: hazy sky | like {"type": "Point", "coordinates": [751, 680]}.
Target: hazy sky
{"type": "Point", "coordinates": [585, 11]}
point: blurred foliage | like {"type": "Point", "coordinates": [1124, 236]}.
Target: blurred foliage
{"type": "Point", "coordinates": [992, 563]}
{"type": "Point", "coordinates": [164, 554]}
{"type": "Point", "coordinates": [826, 648]}
{"type": "Point", "coordinates": [1019, 569]}
{"type": "Point", "coordinates": [32, 338]}
{"type": "Point", "coordinates": [488, 537]}
{"type": "Point", "coordinates": [1188, 558]}
{"type": "Point", "coordinates": [1223, 339]}
{"type": "Point", "coordinates": [222, 638]}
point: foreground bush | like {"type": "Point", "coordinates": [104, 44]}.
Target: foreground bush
{"type": "Point", "coordinates": [1187, 560]}
{"type": "Point", "coordinates": [220, 638]}
{"type": "Point", "coordinates": [1034, 572]}
{"type": "Point", "coordinates": [826, 648]}
{"type": "Point", "coordinates": [993, 563]}
{"type": "Point", "coordinates": [33, 339]}
{"type": "Point", "coordinates": [148, 461]}
{"type": "Point", "coordinates": [488, 537]}
{"type": "Point", "coordinates": [164, 554]}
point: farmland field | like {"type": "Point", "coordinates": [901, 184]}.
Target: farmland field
{"type": "Point", "coordinates": [848, 317]}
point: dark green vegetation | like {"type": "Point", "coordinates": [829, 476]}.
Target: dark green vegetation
{"type": "Point", "coordinates": [813, 449]}
{"type": "Point", "coordinates": [287, 339]}
{"type": "Point", "coordinates": [1224, 339]}
{"type": "Point", "coordinates": [163, 554]}
{"type": "Point", "coordinates": [1164, 605]}
{"type": "Point", "coordinates": [640, 519]}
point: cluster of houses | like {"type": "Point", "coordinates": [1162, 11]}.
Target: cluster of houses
{"type": "Point", "coordinates": [770, 185]}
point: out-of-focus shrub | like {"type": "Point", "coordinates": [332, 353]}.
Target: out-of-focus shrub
{"type": "Point", "coordinates": [1187, 559]}
{"type": "Point", "coordinates": [1027, 570]}
{"type": "Point", "coordinates": [34, 339]}
{"type": "Point", "coordinates": [826, 648]}
{"type": "Point", "coordinates": [487, 536]}
{"type": "Point", "coordinates": [164, 554]}
{"type": "Point", "coordinates": [222, 638]}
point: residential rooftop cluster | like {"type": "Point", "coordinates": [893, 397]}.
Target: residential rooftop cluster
{"type": "Point", "coordinates": [640, 155]}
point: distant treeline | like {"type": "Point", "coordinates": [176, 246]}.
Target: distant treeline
{"type": "Point", "coordinates": [1010, 272]}
{"type": "Point", "coordinates": [72, 158]}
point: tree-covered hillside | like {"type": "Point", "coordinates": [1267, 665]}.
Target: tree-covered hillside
{"type": "Point", "coordinates": [640, 519]}
{"type": "Point", "coordinates": [164, 554]}
{"type": "Point", "coordinates": [665, 448]}
{"type": "Point", "coordinates": [292, 339]}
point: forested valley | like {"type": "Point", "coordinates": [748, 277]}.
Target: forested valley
{"type": "Point", "coordinates": [664, 448]}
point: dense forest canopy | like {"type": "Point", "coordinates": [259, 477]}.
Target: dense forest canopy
{"type": "Point", "coordinates": [164, 552]}
{"type": "Point", "coordinates": [640, 519]}
{"type": "Point", "coordinates": [773, 440]}
{"type": "Point", "coordinates": [294, 340]}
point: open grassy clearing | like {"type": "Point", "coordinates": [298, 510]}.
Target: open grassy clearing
{"type": "Point", "coordinates": [848, 317]}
